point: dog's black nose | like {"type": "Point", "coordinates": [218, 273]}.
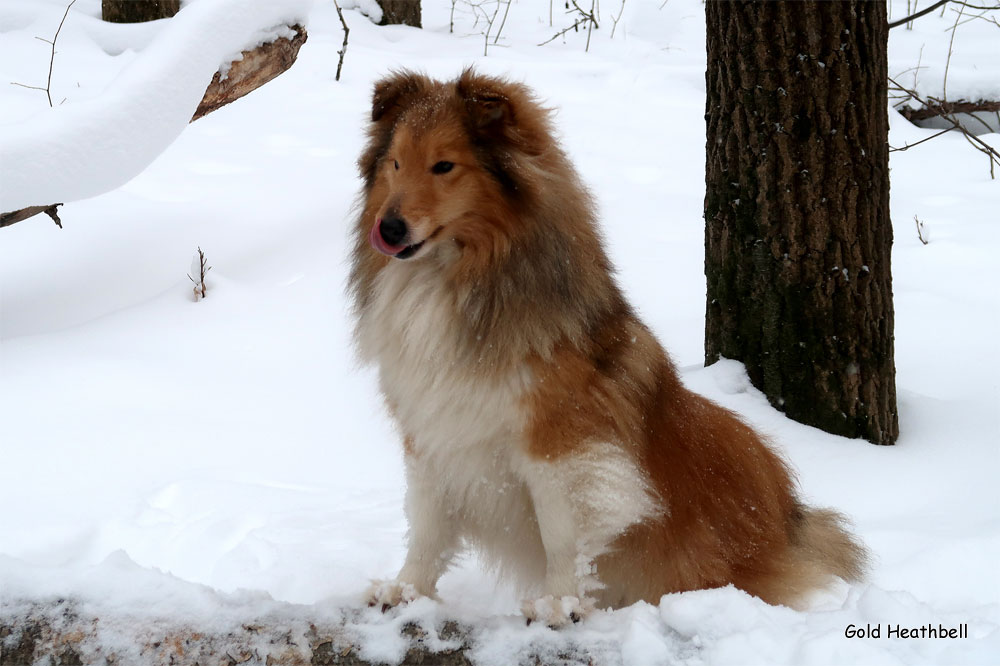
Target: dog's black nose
{"type": "Point", "coordinates": [393, 230]}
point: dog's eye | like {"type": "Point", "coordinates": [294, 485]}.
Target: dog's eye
{"type": "Point", "coordinates": [395, 163]}
{"type": "Point", "coordinates": [442, 167]}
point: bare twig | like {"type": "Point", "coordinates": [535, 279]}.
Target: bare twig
{"type": "Point", "coordinates": [562, 32]}
{"type": "Point", "coordinates": [486, 11]}
{"type": "Point", "coordinates": [590, 18]}
{"type": "Point", "coordinates": [947, 63]}
{"type": "Point", "coordinates": [926, 10]}
{"type": "Point", "coordinates": [614, 24]}
{"type": "Point", "coordinates": [940, 3]}
{"type": "Point", "coordinates": [343, 50]}
{"type": "Point", "coordinates": [481, 13]}
{"type": "Point", "coordinates": [920, 230]}
{"type": "Point", "coordinates": [489, 27]}
{"type": "Point", "coordinates": [52, 58]}
{"type": "Point", "coordinates": [593, 22]}
{"type": "Point", "coordinates": [586, 15]}
{"type": "Point", "coordinates": [502, 22]}
{"type": "Point", "coordinates": [15, 83]}
{"type": "Point", "coordinates": [911, 145]}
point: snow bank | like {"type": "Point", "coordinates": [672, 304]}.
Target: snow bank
{"type": "Point", "coordinates": [146, 616]}
{"type": "Point", "coordinates": [53, 156]}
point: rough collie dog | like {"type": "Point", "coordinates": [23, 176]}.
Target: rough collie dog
{"type": "Point", "coordinates": [542, 422]}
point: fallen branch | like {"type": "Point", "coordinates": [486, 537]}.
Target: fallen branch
{"type": "Point", "coordinates": [936, 108]}
{"type": "Point", "coordinates": [991, 153]}
{"type": "Point", "coordinates": [257, 67]}
{"type": "Point", "coordinates": [7, 219]}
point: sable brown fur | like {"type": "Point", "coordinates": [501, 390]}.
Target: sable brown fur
{"type": "Point", "coordinates": [520, 306]}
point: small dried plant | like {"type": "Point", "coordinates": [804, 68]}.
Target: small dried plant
{"type": "Point", "coordinates": [200, 267]}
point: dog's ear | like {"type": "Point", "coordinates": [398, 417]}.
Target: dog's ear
{"type": "Point", "coordinates": [488, 102]}
{"type": "Point", "coordinates": [391, 97]}
{"type": "Point", "coordinates": [503, 114]}
{"type": "Point", "coordinates": [394, 92]}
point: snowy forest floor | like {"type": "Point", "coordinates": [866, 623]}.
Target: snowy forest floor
{"type": "Point", "coordinates": [216, 482]}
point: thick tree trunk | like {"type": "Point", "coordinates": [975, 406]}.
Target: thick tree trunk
{"type": "Point", "coordinates": [137, 11]}
{"type": "Point", "coordinates": [798, 236]}
{"type": "Point", "coordinates": [404, 12]}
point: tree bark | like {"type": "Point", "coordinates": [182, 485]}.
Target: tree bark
{"type": "Point", "coordinates": [798, 237]}
{"type": "Point", "coordinates": [400, 12]}
{"type": "Point", "coordinates": [138, 11]}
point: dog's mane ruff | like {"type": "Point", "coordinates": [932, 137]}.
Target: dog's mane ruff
{"type": "Point", "coordinates": [550, 285]}
{"type": "Point", "coordinates": [549, 280]}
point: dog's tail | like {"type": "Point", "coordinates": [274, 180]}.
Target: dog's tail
{"type": "Point", "coordinates": [821, 540]}
{"type": "Point", "coordinates": [819, 547]}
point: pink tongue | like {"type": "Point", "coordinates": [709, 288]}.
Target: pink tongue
{"type": "Point", "coordinates": [377, 242]}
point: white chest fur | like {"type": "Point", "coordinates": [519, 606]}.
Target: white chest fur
{"type": "Point", "coordinates": [412, 331]}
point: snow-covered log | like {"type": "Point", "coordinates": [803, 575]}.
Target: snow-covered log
{"type": "Point", "coordinates": [63, 632]}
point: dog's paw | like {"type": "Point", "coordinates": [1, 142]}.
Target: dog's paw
{"type": "Point", "coordinates": [556, 611]}
{"type": "Point", "coordinates": [389, 593]}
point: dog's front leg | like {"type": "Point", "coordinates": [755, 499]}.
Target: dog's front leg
{"type": "Point", "coordinates": [432, 542]}
{"type": "Point", "coordinates": [583, 501]}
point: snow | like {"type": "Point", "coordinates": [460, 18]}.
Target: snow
{"type": "Point", "coordinates": [172, 463]}
{"type": "Point", "coordinates": [141, 112]}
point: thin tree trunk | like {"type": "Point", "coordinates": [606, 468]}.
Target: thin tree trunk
{"type": "Point", "coordinates": [400, 12]}
{"type": "Point", "coordinates": [798, 236]}
{"type": "Point", "coordinates": [137, 11]}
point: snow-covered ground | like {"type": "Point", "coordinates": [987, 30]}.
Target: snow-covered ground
{"type": "Point", "coordinates": [218, 461]}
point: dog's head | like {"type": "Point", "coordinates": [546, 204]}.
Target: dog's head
{"type": "Point", "coordinates": [448, 161]}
